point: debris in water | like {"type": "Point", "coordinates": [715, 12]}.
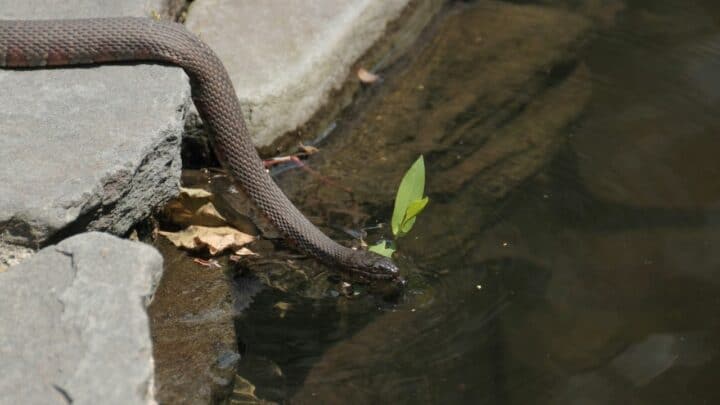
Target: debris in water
{"type": "Point", "coordinates": [367, 77]}
{"type": "Point", "coordinates": [212, 263]}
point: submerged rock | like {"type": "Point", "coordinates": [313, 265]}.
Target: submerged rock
{"type": "Point", "coordinates": [195, 347]}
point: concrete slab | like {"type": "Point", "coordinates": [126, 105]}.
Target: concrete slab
{"type": "Point", "coordinates": [286, 57]}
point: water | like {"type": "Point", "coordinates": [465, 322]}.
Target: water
{"type": "Point", "coordinates": [570, 252]}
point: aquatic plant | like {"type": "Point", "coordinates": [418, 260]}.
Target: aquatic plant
{"type": "Point", "coordinates": [409, 203]}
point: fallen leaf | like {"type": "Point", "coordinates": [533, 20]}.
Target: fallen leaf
{"type": "Point", "coordinates": [243, 252]}
{"type": "Point", "coordinates": [307, 149]}
{"type": "Point", "coordinates": [244, 391]}
{"type": "Point", "coordinates": [216, 239]}
{"type": "Point", "coordinates": [367, 77]}
{"type": "Point", "coordinates": [217, 242]}
{"type": "Point", "coordinates": [208, 211]}
{"type": "Point", "coordinates": [194, 210]}
{"type": "Point", "coordinates": [195, 192]}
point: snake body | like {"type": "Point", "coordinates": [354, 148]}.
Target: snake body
{"type": "Point", "coordinates": [47, 43]}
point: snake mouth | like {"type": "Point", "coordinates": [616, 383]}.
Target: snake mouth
{"type": "Point", "coordinates": [377, 276]}
{"type": "Point", "coordinates": [394, 282]}
{"type": "Point", "coordinates": [371, 267]}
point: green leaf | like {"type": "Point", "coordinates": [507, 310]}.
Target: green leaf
{"type": "Point", "coordinates": [382, 249]}
{"type": "Point", "coordinates": [405, 227]}
{"type": "Point", "coordinates": [413, 210]}
{"type": "Point", "coordinates": [411, 189]}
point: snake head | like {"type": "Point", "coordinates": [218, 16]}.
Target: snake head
{"type": "Point", "coordinates": [374, 266]}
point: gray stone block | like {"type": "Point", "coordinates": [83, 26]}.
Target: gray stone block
{"type": "Point", "coordinates": [286, 57]}
{"type": "Point", "coordinates": [45, 9]}
{"type": "Point", "coordinates": [73, 322]}
{"type": "Point", "coordinates": [86, 148]}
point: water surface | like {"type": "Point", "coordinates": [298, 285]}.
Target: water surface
{"type": "Point", "coordinates": [570, 252]}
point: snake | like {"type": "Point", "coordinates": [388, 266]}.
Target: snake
{"type": "Point", "coordinates": [37, 44]}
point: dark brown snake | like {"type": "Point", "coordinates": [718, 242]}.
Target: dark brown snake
{"type": "Point", "coordinates": [47, 43]}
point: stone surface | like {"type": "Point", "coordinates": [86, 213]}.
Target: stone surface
{"type": "Point", "coordinates": [74, 327]}
{"type": "Point", "coordinates": [286, 57]}
{"type": "Point", "coordinates": [80, 148]}
{"type": "Point", "coordinates": [44, 9]}
{"type": "Point", "coordinates": [11, 255]}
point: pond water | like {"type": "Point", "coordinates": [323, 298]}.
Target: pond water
{"type": "Point", "coordinates": [571, 251]}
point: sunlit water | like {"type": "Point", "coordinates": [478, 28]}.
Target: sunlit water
{"type": "Point", "coordinates": [596, 279]}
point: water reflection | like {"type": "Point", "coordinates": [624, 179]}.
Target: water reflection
{"type": "Point", "coordinates": [595, 280]}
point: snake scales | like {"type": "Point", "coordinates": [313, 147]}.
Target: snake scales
{"type": "Point", "coordinates": [46, 43]}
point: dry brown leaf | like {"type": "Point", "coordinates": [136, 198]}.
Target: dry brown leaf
{"type": "Point", "coordinates": [245, 252]}
{"type": "Point", "coordinates": [244, 390]}
{"type": "Point", "coordinates": [242, 252]}
{"type": "Point", "coordinates": [310, 150]}
{"type": "Point", "coordinates": [195, 192]}
{"type": "Point", "coordinates": [216, 239]}
{"type": "Point", "coordinates": [187, 210]}
{"type": "Point", "coordinates": [177, 212]}
{"type": "Point", "coordinates": [367, 77]}
{"type": "Point", "coordinates": [208, 211]}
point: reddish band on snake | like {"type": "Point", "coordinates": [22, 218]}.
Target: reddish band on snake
{"type": "Point", "coordinates": [47, 43]}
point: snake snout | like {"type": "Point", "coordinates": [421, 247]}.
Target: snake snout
{"type": "Point", "coordinates": [386, 266]}
{"type": "Point", "coordinates": [374, 266]}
